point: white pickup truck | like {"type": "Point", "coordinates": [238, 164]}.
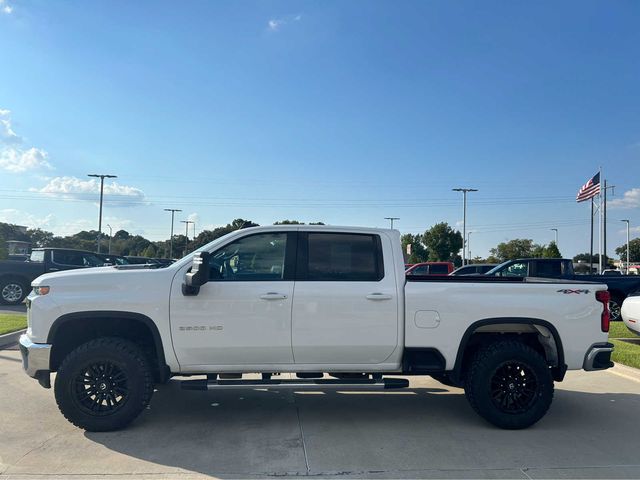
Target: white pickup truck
{"type": "Point", "coordinates": [330, 304]}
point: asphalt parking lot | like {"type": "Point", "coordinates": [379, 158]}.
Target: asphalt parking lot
{"type": "Point", "coordinates": [427, 431]}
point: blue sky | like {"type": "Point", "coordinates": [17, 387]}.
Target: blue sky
{"type": "Point", "coordinates": [341, 112]}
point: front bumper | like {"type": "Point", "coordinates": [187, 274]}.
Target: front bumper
{"type": "Point", "coordinates": [598, 357]}
{"type": "Point", "coordinates": [35, 360]}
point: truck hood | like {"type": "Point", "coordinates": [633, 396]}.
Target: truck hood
{"type": "Point", "coordinates": [97, 276]}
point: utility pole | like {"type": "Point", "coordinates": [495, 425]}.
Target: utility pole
{"type": "Point", "coordinates": [186, 234]}
{"type": "Point", "coordinates": [469, 245]}
{"type": "Point", "coordinates": [605, 221]}
{"type": "Point", "coordinates": [173, 211]}
{"type": "Point", "coordinates": [464, 219]}
{"type": "Point", "coordinates": [391, 219]}
{"type": "Point", "coordinates": [110, 235]}
{"type": "Point", "coordinates": [556, 232]}
{"type": "Point", "coordinates": [101, 177]}
{"type": "Point", "coordinates": [626, 270]}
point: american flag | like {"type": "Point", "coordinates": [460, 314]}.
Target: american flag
{"type": "Point", "coordinates": [589, 189]}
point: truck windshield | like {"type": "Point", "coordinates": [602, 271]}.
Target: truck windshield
{"type": "Point", "coordinates": [37, 256]}
{"type": "Point", "coordinates": [497, 268]}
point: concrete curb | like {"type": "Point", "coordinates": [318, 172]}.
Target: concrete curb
{"type": "Point", "coordinates": [10, 338]}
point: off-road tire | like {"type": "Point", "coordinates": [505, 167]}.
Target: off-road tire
{"type": "Point", "coordinates": [12, 291]}
{"type": "Point", "coordinates": [486, 388]}
{"type": "Point", "coordinates": [87, 369]}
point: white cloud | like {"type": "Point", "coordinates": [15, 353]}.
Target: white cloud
{"type": "Point", "coordinates": [15, 160]}
{"type": "Point", "coordinates": [275, 24]}
{"type": "Point", "coordinates": [7, 135]}
{"type": "Point", "coordinates": [75, 188]}
{"type": "Point", "coordinates": [18, 217]}
{"type": "Point", "coordinates": [5, 7]}
{"type": "Point", "coordinates": [630, 199]}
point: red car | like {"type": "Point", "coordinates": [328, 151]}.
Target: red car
{"type": "Point", "coordinates": [430, 268]}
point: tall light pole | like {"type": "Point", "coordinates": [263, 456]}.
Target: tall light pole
{"type": "Point", "coordinates": [110, 235]}
{"type": "Point", "coordinates": [469, 244]}
{"type": "Point", "coordinates": [556, 232]}
{"type": "Point", "coordinates": [101, 177]}
{"type": "Point", "coordinates": [186, 234]}
{"type": "Point", "coordinates": [391, 219]}
{"type": "Point", "coordinates": [173, 211]}
{"type": "Point", "coordinates": [464, 219]}
{"type": "Point", "coordinates": [626, 270]}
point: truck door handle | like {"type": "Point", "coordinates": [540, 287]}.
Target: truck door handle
{"type": "Point", "coordinates": [53, 269]}
{"type": "Point", "coordinates": [273, 296]}
{"type": "Point", "coordinates": [379, 296]}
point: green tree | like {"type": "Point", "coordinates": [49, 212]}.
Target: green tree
{"type": "Point", "coordinates": [40, 238]}
{"type": "Point", "coordinates": [418, 251]}
{"type": "Point", "coordinates": [634, 251]}
{"type": "Point", "coordinates": [288, 222]}
{"type": "Point", "coordinates": [551, 251]}
{"type": "Point", "coordinates": [149, 252]}
{"type": "Point", "coordinates": [582, 257]}
{"type": "Point", "coordinates": [442, 242]}
{"type": "Point", "coordinates": [517, 248]}
{"type": "Point", "coordinates": [207, 236]}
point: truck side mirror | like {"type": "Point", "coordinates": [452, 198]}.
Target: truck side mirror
{"type": "Point", "coordinates": [198, 276]}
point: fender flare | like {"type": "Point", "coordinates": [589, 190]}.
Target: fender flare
{"type": "Point", "coordinates": [559, 371]}
{"type": "Point", "coordinates": [115, 314]}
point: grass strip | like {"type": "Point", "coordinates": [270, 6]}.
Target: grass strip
{"type": "Point", "coordinates": [626, 353]}
{"type": "Point", "coordinates": [10, 322]}
{"type": "Point", "coordinates": [620, 330]}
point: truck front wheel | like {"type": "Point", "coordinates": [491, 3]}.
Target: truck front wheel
{"type": "Point", "coordinates": [509, 384]}
{"type": "Point", "coordinates": [104, 384]}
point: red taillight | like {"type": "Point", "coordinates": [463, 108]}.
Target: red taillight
{"type": "Point", "coordinates": [603, 297]}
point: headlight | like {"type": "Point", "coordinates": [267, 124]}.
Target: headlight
{"type": "Point", "coordinates": [41, 290]}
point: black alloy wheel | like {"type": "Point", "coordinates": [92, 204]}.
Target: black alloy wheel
{"type": "Point", "coordinates": [101, 388]}
{"type": "Point", "coordinates": [513, 387]}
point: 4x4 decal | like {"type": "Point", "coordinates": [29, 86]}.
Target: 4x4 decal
{"type": "Point", "coordinates": [569, 290]}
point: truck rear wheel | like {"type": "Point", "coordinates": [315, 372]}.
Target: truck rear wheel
{"type": "Point", "coordinates": [104, 384]}
{"type": "Point", "coordinates": [12, 291]}
{"type": "Point", "coordinates": [509, 384]}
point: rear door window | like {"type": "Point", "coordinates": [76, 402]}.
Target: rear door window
{"type": "Point", "coordinates": [68, 258]}
{"type": "Point", "coordinates": [548, 269]}
{"type": "Point", "coordinates": [342, 257]}
{"type": "Point", "coordinates": [438, 269]}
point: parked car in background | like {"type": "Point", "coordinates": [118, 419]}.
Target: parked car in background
{"type": "Point", "coordinates": [134, 260]}
{"type": "Point", "coordinates": [110, 259]}
{"type": "Point", "coordinates": [165, 262]}
{"type": "Point", "coordinates": [474, 269]}
{"type": "Point", "coordinates": [620, 286]}
{"type": "Point", "coordinates": [612, 271]}
{"type": "Point", "coordinates": [631, 313]}
{"type": "Point", "coordinates": [16, 277]}
{"type": "Point", "coordinates": [430, 268]}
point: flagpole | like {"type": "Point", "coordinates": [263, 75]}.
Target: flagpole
{"type": "Point", "coordinates": [604, 226]}
{"type": "Point", "coordinates": [591, 250]}
{"type": "Point", "coordinates": [600, 228]}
